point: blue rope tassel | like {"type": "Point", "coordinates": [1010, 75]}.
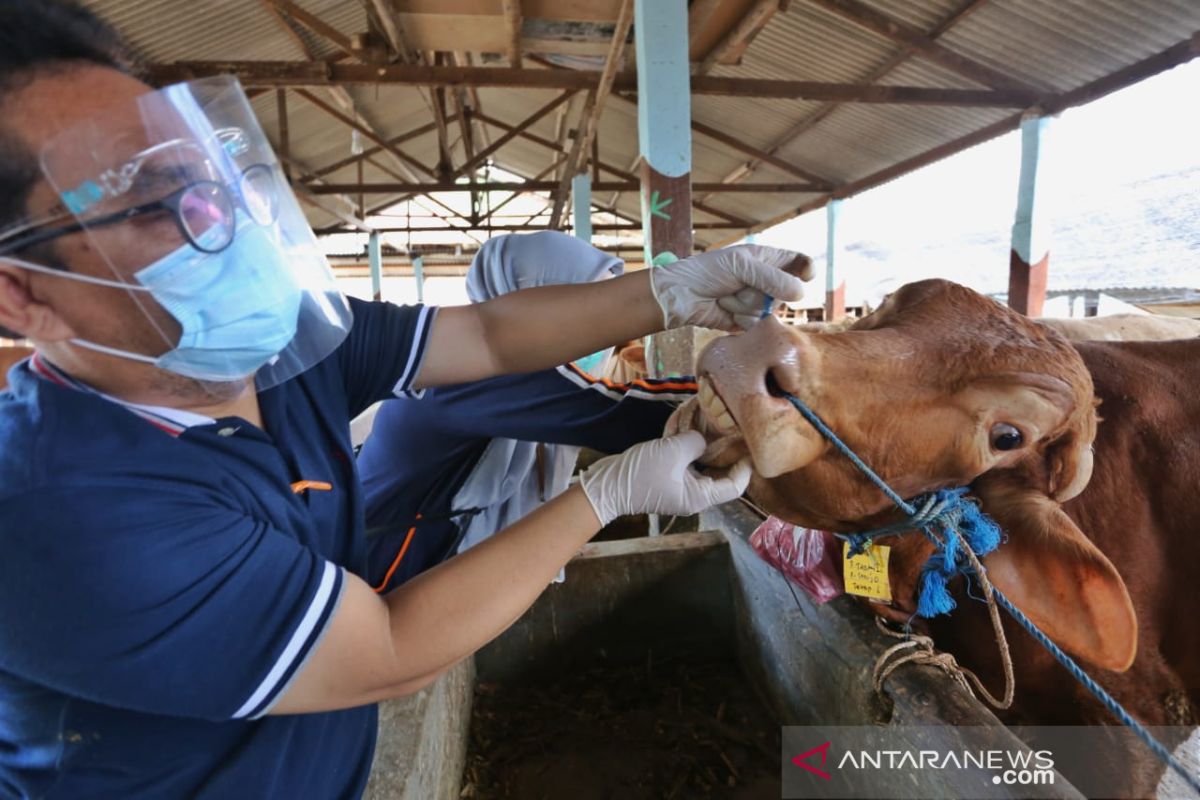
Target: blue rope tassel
{"type": "Point", "coordinates": [950, 513]}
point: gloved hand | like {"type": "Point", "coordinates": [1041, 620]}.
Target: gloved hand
{"type": "Point", "coordinates": [656, 477]}
{"type": "Point", "coordinates": [726, 288]}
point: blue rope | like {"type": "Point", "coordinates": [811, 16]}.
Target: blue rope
{"type": "Point", "coordinates": [953, 514]}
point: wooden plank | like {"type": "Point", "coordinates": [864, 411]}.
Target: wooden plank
{"type": "Point", "coordinates": [735, 40]}
{"type": "Point", "coordinates": [289, 73]}
{"type": "Point", "coordinates": [551, 186]}
{"type": "Point", "coordinates": [513, 22]}
{"type": "Point", "coordinates": [367, 132]}
{"type": "Point", "coordinates": [395, 141]}
{"type": "Point", "coordinates": [285, 144]}
{"type": "Point", "coordinates": [767, 158]}
{"type": "Point", "coordinates": [592, 110]}
{"type": "Point", "coordinates": [516, 131]}
{"type": "Point", "coordinates": [316, 25]}
{"type": "Point", "coordinates": [1173, 56]}
{"type": "Point", "coordinates": [867, 17]}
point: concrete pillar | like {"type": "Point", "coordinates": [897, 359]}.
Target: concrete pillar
{"type": "Point", "coordinates": [665, 145]}
{"type": "Point", "coordinates": [375, 259]}
{"type": "Point", "coordinates": [664, 125]}
{"type": "Point", "coordinates": [835, 281]}
{"type": "Point", "coordinates": [419, 275]}
{"type": "Point", "coordinates": [1029, 260]}
{"type": "Point", "coordinates": [581, 192]}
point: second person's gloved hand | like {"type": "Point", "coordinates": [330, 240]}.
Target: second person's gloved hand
{"type": "Point", "coordinates": [726, 288]}
{"type": "Point", "coordinates": [656, 477]}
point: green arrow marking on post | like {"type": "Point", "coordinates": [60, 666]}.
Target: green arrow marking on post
{"type": "Point", "coordinates": [657, 205]}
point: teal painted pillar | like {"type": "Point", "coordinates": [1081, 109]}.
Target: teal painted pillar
{"type": "Point", "coordinates": [419, 274]}
{"type": "Point", "coordinates": [581, 191]}
{"type": "Point", "coordinates": [1029, 258]}
{"type": "Point", "coordinates": [664, 125]}
{"type": "Point", "coordinates": [835, 281]}
{"type": "Point", "coordinates": [375, 259]}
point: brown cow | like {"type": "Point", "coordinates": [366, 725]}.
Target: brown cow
{"type": "Point", "coordinates": [943, 387]}
{"type": "Point", "coordinates": [1125, 328]}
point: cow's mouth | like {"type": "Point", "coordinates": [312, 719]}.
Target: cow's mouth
{"type": "Point", "coordinates": [713, 407]}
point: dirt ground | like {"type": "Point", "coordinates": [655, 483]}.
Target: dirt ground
{"type": "Point", "coordinates": [671, 730]}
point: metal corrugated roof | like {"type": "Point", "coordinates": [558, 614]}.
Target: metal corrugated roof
{"type": "Point", "coordinates": [1054, 47]}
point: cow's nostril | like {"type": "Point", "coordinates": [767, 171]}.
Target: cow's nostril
{"type": "Point", "coordinates": [773, 387]}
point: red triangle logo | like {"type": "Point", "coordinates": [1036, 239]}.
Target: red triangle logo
{"type": "Point", "coordinates": [823, 750]}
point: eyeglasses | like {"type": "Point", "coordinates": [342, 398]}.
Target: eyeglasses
{"type": "Point", "coordinates": [202, 210]}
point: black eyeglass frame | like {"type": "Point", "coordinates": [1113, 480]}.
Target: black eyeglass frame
{"type": "Point", "coordinates": [171, 202]}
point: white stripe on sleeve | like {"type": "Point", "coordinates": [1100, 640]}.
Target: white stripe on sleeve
{"type": "Point", "coordinates": [321, 599]}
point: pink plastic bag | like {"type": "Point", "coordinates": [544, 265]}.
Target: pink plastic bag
{"type": "Point", "coordinates": [805, 556]}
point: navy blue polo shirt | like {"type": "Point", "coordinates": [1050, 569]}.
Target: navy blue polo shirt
{"type": "Point", "coordinates": [164, 576]}
{"type": "Point", "coordinates": [422, 450]}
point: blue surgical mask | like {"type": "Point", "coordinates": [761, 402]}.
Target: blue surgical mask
{"type": "Point", "coordinates": [238, 308]}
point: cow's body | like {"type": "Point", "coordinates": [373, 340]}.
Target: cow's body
{"type": "Point", "coordinates": [921, 391]}
{"type": "Point", "coordinates": [1125, 328]}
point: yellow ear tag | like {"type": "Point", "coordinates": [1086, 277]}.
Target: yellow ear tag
{"type": "Point", "coordinates": [866, 574]}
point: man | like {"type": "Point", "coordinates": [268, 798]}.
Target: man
{"type": "Point", "coordinates": [181, 607]}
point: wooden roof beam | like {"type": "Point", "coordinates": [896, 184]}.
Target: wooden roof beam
{"type": "Point", "coordinates": [393, 31]}
{"type": "Point", "coordinates": [367, 132]}
{"type": "Point", "coordinates": [315, 24]}
{"type": "Point", "coordinates": [395, 141]}
{"type": "Point", "coordinates": [552, 186]}
{"type": "Point", "coordinates": [897, 32]}
{"type": "Point", "coordinates": [1177, 54]}
{"type": "Point", "coordinates": [593, 108]}
{"type": "Point", "coordinates": [287, 73]}
{"type": "Point", "coordinates": [736, 40]}
{"type": "Point", "coordinates": [609, 168]}
{"type": "Point", "coordinates": [808, 123]}
{"type": "Point", "coordinates": [513, 20]}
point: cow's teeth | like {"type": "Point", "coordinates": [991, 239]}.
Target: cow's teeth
{"type": "Point", "coordinates": [724, 423]}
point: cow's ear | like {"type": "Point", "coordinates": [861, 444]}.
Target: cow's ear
{"type": "Point", "coordinates": [1062, 581]}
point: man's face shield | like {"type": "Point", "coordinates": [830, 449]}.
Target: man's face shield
{"type": "Point", "coordinates": [181, 196]}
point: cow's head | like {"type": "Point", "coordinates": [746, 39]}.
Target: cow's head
{"type": "Point", "coordinates": [940, 387]}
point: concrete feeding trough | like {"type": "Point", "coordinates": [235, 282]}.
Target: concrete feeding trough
{"type": "Point", "coordinates": [656, 600]}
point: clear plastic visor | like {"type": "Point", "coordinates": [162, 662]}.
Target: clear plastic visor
{"type": "Point", "coordinates": [188, 170]}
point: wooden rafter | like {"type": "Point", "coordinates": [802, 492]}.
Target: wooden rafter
{"type": "Point", "coordinates": [796, 131]}
{"type": "Point", "coordinates": [513, 21]}
{"type": "Point", "coordinates": [898, 32]}
{"type": "Point", "coordinates": [1177, 54]}
{"type": "Point", "coordinates": [315, 24]}
{"type": "Point", "coordinates": [367, 132]}
{"type": "Point", "coordinates": [593, 108]}
{"type": "Point", "coordinates": [285, 142]}
{"type": "Point", "coordinates": [625, 174]}
{"type": "Point", "coordinates": [735, 40]}
{"type": "Point", "coordinates": [517, 129]}
{"type": "Point", "coordinates": [288, 73]}
{"type": "Point", "coordinates": [395, 141]}
{"type": "Point", "coordinates": [393, 31]}
{"type": "Point", "coordinates": [549, 186]}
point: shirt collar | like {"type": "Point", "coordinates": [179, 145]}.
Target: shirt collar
{"type": "Point", "coordinates": [171, 420]}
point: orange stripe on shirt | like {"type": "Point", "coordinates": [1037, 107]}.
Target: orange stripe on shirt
{"type": "Point", "coordinates": [665, 386]}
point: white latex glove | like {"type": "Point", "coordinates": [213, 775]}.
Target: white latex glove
{"type": "Point", "coordinates": [656, 477]}
{"type": "Point", "coordinates": [726, 288]}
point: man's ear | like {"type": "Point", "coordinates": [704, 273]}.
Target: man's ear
{"type": "Point", "coordinates": [1062, 581]}
{"type": "Point", "coordinates": [24, 315]}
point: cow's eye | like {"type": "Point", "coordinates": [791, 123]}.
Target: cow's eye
{"type": "Point", "coordinates": [1006, 437]}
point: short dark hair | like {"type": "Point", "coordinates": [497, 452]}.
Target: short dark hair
{"type": "Point", "coordinates": [38, 36]}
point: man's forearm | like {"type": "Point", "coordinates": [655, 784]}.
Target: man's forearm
{"type": "Point", "coordinates": [560, 323]}
{"type": "Point", "coordinates": [537, 329]}
{"type": "Point", "coordinates": [450, 611]}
